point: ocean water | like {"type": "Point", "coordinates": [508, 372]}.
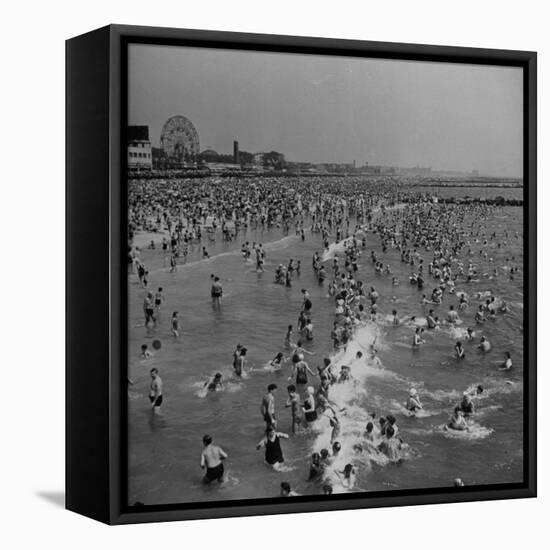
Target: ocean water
{"type": "Point", "coordinates": [164, 452]}
{"type": "Point", "coordinates": [478, 192]}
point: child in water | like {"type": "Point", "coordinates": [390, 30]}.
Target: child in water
{"type": "Point", "coordinates": [214, 383]}
{"type": "Point", "coordinates": [347, 476]}
{"type": "Point", "coordinates": [145, 353]}
{"type": "Point", "coordinates": [277, 361]}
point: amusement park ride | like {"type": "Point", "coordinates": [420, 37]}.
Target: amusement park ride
{"type": "Point", "coordinates": [179, 141]}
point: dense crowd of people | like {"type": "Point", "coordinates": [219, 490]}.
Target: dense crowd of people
{"type": "Point", "coordinates": [442, 246]}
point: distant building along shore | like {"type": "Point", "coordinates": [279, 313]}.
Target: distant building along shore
{"type": "Point", "coordinates": [180, 152]}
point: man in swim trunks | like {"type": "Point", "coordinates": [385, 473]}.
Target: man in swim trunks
{"type": "Point", "coordinates": [240, 362]}
{"type": "Point", "coordinates": [295, 408]}
{"type": "Point", "coordinates": [155, 393]}
{"type": "Point", "coordinates": [484, 345]}
{"type": "Point", "coordinates": [431, 320]}
{"type": "Point", "coordinates": [452, 315]}
{"type": "Point", "coordinates": [268, 406]}
{"type": "Point", "coordinates": [216, 291]}
{"type": "Point", "coordinates": [159, 298]}
{"type": "Point", "coordinates": [149, 309]}
{"type": "Point", "coordinates": [211, 459]}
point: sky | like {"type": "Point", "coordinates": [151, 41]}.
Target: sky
{"type": "Point", "coordinates": [334, 109]}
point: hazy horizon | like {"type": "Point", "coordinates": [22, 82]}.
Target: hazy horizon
{"type": "Point", "coordinates": [451, 117]}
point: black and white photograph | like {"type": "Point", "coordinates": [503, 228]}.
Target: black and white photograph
{"type": "Point", "coordinates": [325, 275]}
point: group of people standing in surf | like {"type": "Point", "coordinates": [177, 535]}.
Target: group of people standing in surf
{"type": "Point", "coordinates": [437, 243]}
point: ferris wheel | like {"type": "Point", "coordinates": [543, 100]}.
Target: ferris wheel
{"type": "Point", "coordinates": [179, 139]}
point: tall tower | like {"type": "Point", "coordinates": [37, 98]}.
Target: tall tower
{"type": "Point", "coordinates": [236, 159]}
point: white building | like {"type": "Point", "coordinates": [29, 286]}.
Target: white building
{"type": "Point", "coordinates": [140, 153]}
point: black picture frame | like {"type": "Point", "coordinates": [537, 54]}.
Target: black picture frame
{"type": "Point", "coordinates": [96, 95]}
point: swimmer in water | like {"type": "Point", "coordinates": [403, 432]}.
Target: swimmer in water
{"type": "Point", "coordinates": [149, 309]}
{"type": "Point", "coordinates": [145, 353]}
{"type": "Point", "coordinates": [267, 408]}
{"type": "Point", "coordinates": [347, 476]}
{"type": "Point", "coordinates": [214, 383]}
{"type": "Point", "coordinates": [293, 402]}
{"type": "Point", "coordinates": [334, 424]}
{"type": "Point", "coordinates": [288, 337]}
{"type": "Point", "coordinates": [452, 315]}
{"type": "Point", "coordinates": [484, 345]}
{"type": "Point", "coordinates": [369, 432]}
{"type": "Point", "coordinates": [413, 402]}
{"type": "Point", "coordinates": [240, 362]}
{"type": "Point", "coordinates": [388, 422]}
{"type": "Point", "coordinates": [391, 446]}
{"type": "Point", "coordinates": [155, 391]}
{"type": "Point", "coordinates": [159, 298]}
{"type": "Point", "coordinates": [236, 355]}
{"type": "Point", "coordinates": [272, 444]}
{"type": "Point", "coordinates": [300, 370]}
{"type": "Point", "coordinates": [175, 324]}
{"type": "Point", "coordinates": [286, 491]}
{"type": "Point", "coordinates": [417, 338]}
{"type": "Point", "coordinates": [277, 361]}
{"type": "Point", "coordinates": [216, 291]}
{"type": "Point", "coordinates": [372, 358]}
{"type": "Point", "coordinates": [507, 364]}
{"type": "Point", "coordinates": [467, 405]}
{"type": "Point", "coordinates": [326, 371]}
{"type": "Point", "coordinates": [345, 374]}
{"type": "Point", "coordinates": [316, 468]}
{"type": "Point", "coordinates": [457, 420]}
{"type": "Point", "coordinates": [480, 315]}
{"type": "Point", "coordinates": [309, 405]}
{"type": "Point", "coordinates": [211, 459]}
{"type": "Point", "coordinates": [460, 353]}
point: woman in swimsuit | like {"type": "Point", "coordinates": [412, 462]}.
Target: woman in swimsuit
{"type": "Point", "coordinates": [300, 370]}
{"type": "Point", "coordinates": [272, 444]}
